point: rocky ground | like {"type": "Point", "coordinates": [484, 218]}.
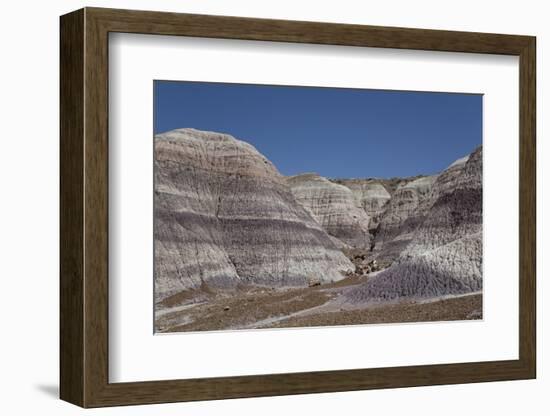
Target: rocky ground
{"type": "Point", "coordinates": [252, 308]}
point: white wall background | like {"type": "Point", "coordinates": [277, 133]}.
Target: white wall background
{"type": "Point", "coordinates": [29, 83]}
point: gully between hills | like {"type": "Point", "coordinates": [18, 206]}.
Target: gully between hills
{"type": "Point", "coordinates": [238, 245]}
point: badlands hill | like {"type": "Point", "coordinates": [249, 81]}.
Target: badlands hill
{"type": "Point", "coordinates": [443, 251]}
{"type": "Point", "coordinates": [405, 211]}
{"type": "Point", "coordinates": [371, 195]}
{"type": "Point", "coordinates": [334, 207]}
{"type": "Point", "coordinates": [226, 218]}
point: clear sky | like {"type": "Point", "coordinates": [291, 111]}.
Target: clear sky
{"type": "Point", "coordinates": [336, 132]}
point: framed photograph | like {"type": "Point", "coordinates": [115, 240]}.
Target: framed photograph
{"type": "Point", "coordinates": [255, 207]}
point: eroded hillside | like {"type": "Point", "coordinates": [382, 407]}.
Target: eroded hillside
{"type": "Point", "coordinates": [237, 243]}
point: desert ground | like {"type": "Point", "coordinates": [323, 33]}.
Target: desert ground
{"type": "Point", "coordinates": [322, 305]}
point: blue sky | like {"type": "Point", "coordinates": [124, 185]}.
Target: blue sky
{"type": "Point", "coordinates": [336, 132]}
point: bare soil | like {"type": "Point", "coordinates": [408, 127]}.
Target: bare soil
{"type": "Point", "coordinates": [452, 309]}
{"type": "Point", "coordinates": [256, 307]}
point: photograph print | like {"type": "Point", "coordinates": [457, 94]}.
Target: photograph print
{"type": "Point", "coordinates": [294, 206]}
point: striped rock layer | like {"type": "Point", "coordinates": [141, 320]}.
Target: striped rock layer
{"type": "Point", "coordinates": [406, 210]}
{"type": "Point", "coordinates": [225, 217]}
{"type": "Point", "coordinates": [333, 206]}
{"type": "Point", "coordinates": [371, 196]}
{"type": "Point", "coordinates": [444, 253]}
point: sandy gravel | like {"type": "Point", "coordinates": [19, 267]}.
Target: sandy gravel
{"type": "Point", "coordinates": [251, 308]}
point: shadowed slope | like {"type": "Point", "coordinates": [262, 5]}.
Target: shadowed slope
{"type": "Point", "coordinates": [444, 255]}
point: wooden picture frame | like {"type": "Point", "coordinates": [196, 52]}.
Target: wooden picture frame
{"type": "Point", "coordinates": [84, 207]}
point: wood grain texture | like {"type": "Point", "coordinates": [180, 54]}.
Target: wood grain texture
{"type": "Point", "coordinates": [527, 208]}
{"type": "Point", "coordinates": [96, 226]}
{"type": "Point", "coordinates": [162, 23]}
{"type": "Point", "coordinates": [71, 208]}
{"type": "Point", "coordinates": [84, 207]}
